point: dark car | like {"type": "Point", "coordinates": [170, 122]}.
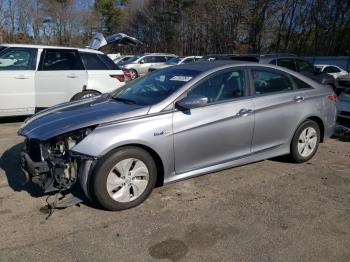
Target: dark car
{"type": "Point", "coordinates": [217, 57]}
{"type": "Point", "coordinates": [291, 62]}
{"type": "Point", "coordinates": [343, 83]}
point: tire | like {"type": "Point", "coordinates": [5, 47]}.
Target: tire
{"type": "Point", "coordinates": [305, 142]}
{"type": "Point", "coordinates": [85, 94]}
{"type": "Point", "coordinates": [124, 189]}
{"type": "Point", "coordinates": [133, 74]}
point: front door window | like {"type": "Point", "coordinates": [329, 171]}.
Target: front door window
{"type": "Point", "coordinates": [16, 59]}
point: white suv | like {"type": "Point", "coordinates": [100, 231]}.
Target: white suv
{"type": "Point", "coordinates": [34, 77]}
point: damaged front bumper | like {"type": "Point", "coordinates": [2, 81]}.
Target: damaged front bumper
{"type": "Point", "coordinates": [54, 174]}
{"type": "Point", "coordinates": [38, 172]}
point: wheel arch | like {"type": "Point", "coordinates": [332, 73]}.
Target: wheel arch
{"type": "Point", "coordinates": [156, 157]}
{"type": "Point", "coordinates": [320, 124]}
{"type": "Point", "coordinates": [318, 121]}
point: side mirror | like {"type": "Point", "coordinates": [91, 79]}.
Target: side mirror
{"type": "Point", "coordinates": [189, 102]}
{"type": "Point", "coordinates": [142, 61]}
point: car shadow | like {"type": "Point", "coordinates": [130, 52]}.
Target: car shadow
{"type": "Point", "coordinates": [12, 119]}
{"type": "Point", "coordinates": [10, 163]}
{"type": "Point", "coordinates": [342, 132]}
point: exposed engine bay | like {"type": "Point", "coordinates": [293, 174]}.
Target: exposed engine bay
{"type": "Point", "coordinates": [50, 164]}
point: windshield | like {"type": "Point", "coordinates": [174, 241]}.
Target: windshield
{"type": "Point", "coordinates": [155, 87]}
{"type": "Point", "coordinates": [174, 60]}
{"type": "Point", "coordinates": [132, 59]}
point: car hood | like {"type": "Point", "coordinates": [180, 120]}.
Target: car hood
{"type": "Point", "coordinates": [72, 116]}
{"type": "Point", "coordinates": [160, 66]}
{"type": "Point", "coordinates": [344, 77]}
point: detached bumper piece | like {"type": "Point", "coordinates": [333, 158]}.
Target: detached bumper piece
{"type": "Point", "coordinates": [38, 172]}
{"type": "Point", "coordinates": [50, 172]}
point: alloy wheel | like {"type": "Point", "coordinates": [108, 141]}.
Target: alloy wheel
{"type": "Point", "coordinates": [307, 142]}
{"type": "Point", "coordinates": [127, 180]}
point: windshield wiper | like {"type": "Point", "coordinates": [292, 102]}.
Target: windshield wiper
{"type": "Point", "coordinates": [124, 100]}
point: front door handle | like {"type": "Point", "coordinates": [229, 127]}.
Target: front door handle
{"type": "Point", "coordinates": [73, 76]}
{"type": "Point", "coordinates": [244, 112]}
{"type": "Point", "coordinates": [298, 99]}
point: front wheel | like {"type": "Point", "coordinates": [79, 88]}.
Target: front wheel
{"type": "Point", "coordinates": [124, 179]}
{"type": "Point", "coordinates": [305, 142]}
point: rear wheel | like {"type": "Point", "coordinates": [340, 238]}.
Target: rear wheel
{"type": "Point", "coordinates": [85, 94]}
{"type": "Point", "coordinates": [133, 74]}
{"type": "Point", "coordinates": [305, 142]}
{"type": "Point", "coordinates": [124, 179]}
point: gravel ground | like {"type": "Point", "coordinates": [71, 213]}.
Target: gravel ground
{"type": "Point", "coordinates": [267, 211]}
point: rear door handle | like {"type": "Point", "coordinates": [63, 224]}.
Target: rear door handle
{"type": "Point", "coordinates": [73, 76]}
{"type": "Point", "coordinates": [298, 99]}
{"type": "Point", "coordinates": [244, 112]}
{"type": "Point", "coordinates": [21, 77]}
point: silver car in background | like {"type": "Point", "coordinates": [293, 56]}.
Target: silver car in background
{"type": "Point", "coordinates": [174, 124]}
{"type": "Point", "coordinates": [138, 65]}
{"type": "Point", "coordinates": [178, 60]}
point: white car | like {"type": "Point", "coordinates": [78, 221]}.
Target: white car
{"type": "Point", "coordinates": [178, 60]}
{"type": "Point", "coordinates": [33, 77]}
{"type": "Point", "coordinates": [122, 59]}
{"type": "Point", "coordinates": [333, 70]}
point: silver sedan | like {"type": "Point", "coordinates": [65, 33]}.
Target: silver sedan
{"type": "Point", "coordinates": [174, 124]}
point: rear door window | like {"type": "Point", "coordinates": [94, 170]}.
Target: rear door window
{"type": "Point", "coordinates": [61, 60]}
{"type": "Point", "coordinates": [268, 81]}
{"type": "Point", "coordinates": [17, 58]}
{"type": "Point", "coordinates": [287, 63]}
{"type": "Point", "coordinates": [148, 59]}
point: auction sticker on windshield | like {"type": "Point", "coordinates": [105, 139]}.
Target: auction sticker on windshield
{"type": "Point", "coordinates": [181, 78]}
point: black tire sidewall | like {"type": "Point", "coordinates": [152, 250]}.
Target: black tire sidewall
{"type": "Point", "coordinates": [135, 74]}
{"type": "Point", "coordinates": [294, 147]}
{"type": "Point", "coordinates": [84, 93]}
{"type": "Point", "coordinates": [104, 166]}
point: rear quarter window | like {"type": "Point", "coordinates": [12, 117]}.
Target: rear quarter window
{"type": "Point", "coordinates": [108, 62]}
{"type": "Point", "coordinates": [92, 62]}
{"type": "Point", "coordinates": [300, 84]}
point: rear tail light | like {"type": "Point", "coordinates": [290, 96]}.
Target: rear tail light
{"type": "Point", "coordinates": [127, 74]}
{"type": "Point", "coordinates": [120, 78]}
{"type": "Point", "coordinates": [332, 97]}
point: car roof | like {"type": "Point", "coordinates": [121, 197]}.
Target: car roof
{"type": "Point", "coordinates": [326, 65]}
{"type": "Point", "coordinates": [206, 65]}
{"type": "Point", "coordinates": [52, 47]}
{"type": "Point", "coordinates": [160, 54]}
